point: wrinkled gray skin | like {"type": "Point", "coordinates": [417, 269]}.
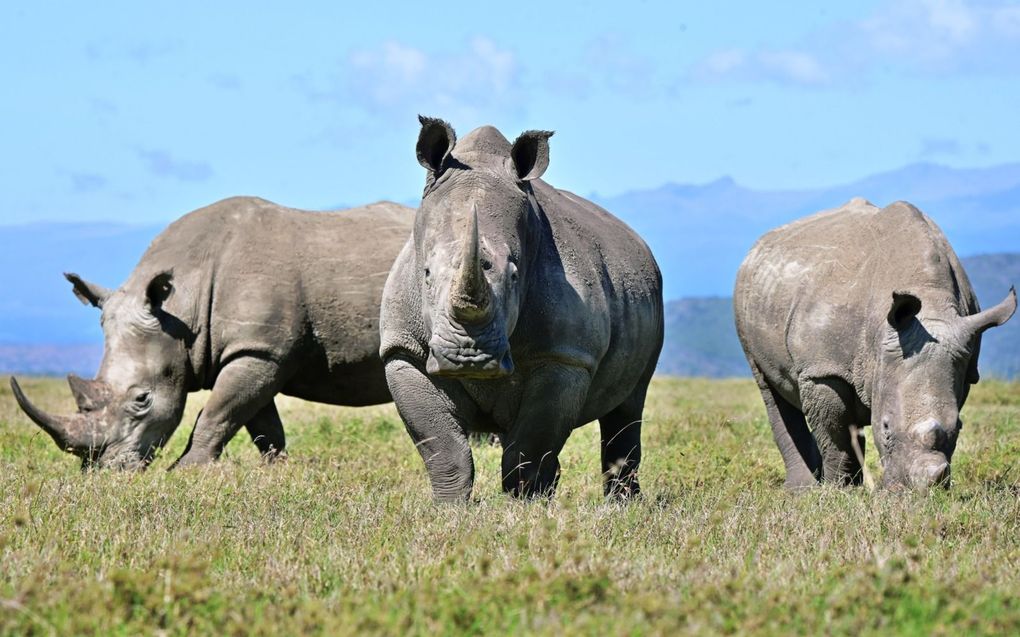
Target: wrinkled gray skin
{"type": "Point", "coordinates": [861, 316]}
{"type": "Point", "coordinates": [248, 299]}
{"type": "Point", "coordinates": [518, 309]}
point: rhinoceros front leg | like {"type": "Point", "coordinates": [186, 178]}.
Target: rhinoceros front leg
{"type": "Point", "coordinates": [241, 391]}
{"type": "Point", "coordinates": [434, 412]}
{"type": "Point", "coordinates": [551, 404]}
{"type": "Point", "coordinates": [828, 406]}
{"type": "Point", "coordinates": [266, 431]}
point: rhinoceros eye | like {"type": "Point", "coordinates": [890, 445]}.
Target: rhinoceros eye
{"type": "Point", "coordinates": [140, 404]}
{"type": "Point", "coordinates": [486, 264]}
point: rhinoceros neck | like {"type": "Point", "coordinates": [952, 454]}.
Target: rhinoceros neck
{"type": "Point", "coordinates": [201, 373]}
{"type": "Point", "coordinates": [913, 256]}
{"type": "Point", "coordinates": [192, 248]}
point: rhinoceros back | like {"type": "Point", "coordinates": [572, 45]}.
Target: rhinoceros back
{"type": "Point", "coordinates": [811, 295]}
{"type": "Point", "coordinates": [302, 288]}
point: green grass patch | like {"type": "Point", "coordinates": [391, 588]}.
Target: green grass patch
{"type": "Point", "coordinates": [343, 537]}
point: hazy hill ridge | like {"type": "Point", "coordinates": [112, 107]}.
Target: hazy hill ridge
{"type": "Point", "coordinates": [699, 234]}
{"type": "Point", "coordinates": [701, 339]}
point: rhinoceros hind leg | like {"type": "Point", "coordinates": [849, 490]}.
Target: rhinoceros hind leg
{"type": "Point", "coordinates": [266, 431]}
{"type": "Point", "coordinates": [621, 445]}
{"type": "Point", "coordinates": [242, 389]}
{"type": "Point", "coordinates": [790, 431]}
{"type": "Point", "coordinates": [550, 407]}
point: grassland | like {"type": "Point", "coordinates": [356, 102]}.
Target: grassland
{"type": "Point", "coordinates": [343, 538]}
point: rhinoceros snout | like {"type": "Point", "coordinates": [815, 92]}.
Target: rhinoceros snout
{"type": "Point", "coordinates": [930, 473]}
{"type": "Point", "coordinates": [922, 471]}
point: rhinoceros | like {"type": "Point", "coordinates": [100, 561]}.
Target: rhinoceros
{"type": "Point", "coordinates": [859, 316]}
{"type": "Point", "coordinates": [517, 309]}
{"type": "Point", "coordinates": [243, 297]}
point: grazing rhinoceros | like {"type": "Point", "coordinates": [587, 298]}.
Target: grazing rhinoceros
{"type": "Point", "coordinates": [519, 309]}
{"type": "Point", "coordinates": [248, 299]}
{"type": "Point", "coordinates": [861, 316]}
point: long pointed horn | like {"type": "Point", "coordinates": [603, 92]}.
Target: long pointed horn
{"type": "Point", "coordinates": [470, 296]}
{"type": "Point", "coordinates": [994, 316]}
{"type": "Point", "coordinates": [71, 434]}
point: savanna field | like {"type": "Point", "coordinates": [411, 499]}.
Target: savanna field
{"type": "Point", "coordinates": [343, 537]}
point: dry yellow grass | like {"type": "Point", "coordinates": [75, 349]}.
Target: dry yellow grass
{"type": "Point", "coordinates": [343, 536]}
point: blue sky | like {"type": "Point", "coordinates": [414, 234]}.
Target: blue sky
{"type": "Point", "coordinates": [131, 111]}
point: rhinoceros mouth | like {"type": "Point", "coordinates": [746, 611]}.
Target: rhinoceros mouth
{"type": "Point", "coordinates": [926, 471]}
{"type": "Point", "coordinates": [467, 363]}
{"type": "Point", "coordinates": [464, 352]}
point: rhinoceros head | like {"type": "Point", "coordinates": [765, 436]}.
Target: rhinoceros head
{"type": "Point", "coordinates": [927, 362]}
{"type": "Point", "coordinates": [136, 400]}
{"type": "Point", "coordinates": [472, 237]}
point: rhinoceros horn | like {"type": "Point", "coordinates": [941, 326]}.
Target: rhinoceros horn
{"type": "Point", "coordinates": [993, 316]}
{"type": "Point", "coordinates": [470, 297]}
{"type": "Point", "coordinates": [91, 395]}
{"type": "Point", "coordinates": [77, 434]}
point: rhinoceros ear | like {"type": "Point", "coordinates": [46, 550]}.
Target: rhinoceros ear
{"type": "Point", "coordinates": [435, 143]}
{"type": "Point", "coordinates": [159, 290]}
{"type": "Point", "coordinates": [530, 154]}
{"type": "Point", "coordinates": [905, 306]}
{"type": "Point", "coordinates": [87, 292]}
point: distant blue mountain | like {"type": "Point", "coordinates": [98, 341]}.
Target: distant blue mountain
{"type": "Point", "coordinates": [701, 339]}
{"type": "Point", "coordinates": [699, 233]}
{"type": "Point", "coordinates": [992, 275]}
{"type": "Point", "coordinates": [36, 304]}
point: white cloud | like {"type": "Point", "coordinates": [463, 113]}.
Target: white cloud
{"type": "Point", "coordinates": [924, 31]}
{"type": "Point", "coordinates": [788, 67]}
{"type": "Point", "coordinates": [606, 63]}
{"type": "Point", "coordinates": [952, 19]}
{"type": "Point", "coordinates": [398, 78]}
{"type": "Point", "coordinates": [926, 36]}
{"type": "Point", "coordinates": [945, 36]}
{"type": "Point", "coordinates": [796, 66]}
{"type": "Point", "coordinates": [617, 65]}
{"type": "Point", "coordinates": [162, 164]}
{"type": "Point", "coordinates": [390, 71]}
{"type": "Point", "coordinates": [1006, 20]}
{"type": "Point", "coordinates": [724, 62]}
